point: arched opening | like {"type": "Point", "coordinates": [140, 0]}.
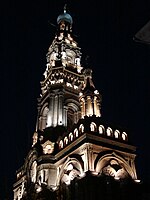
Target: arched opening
{"type": "Point", "coordinates": [70, 170]}
{"type": "Point", "coordinates": [117, 134]}
{"type": "Point", "coordinates": [43, 118]}
{"type": "Point", "coordinates": [101, 129]}
{"type": "Point", "coordinates": [65, 141]}
{"type": "Point", "coordinates": [114, 169]}
{"type": "Point", "coordinates": [115, 166]}
{"type": "Point", "coordinates": [81, 128]}
{"type": "Point", "coordinates": [73, 108]}
{"type": "Point", "coordinates": [93, 127]}
{"type": "Point", "coordinates": [124, 136]}
{"type": "Point", "coordinates": [109, 131]}
{"type": "Point", "coordinates": [61, 145]}
{"type": "Point", "coordinates": [70, 137]}
{"type": "Point", "coordinates": [76, 133]}
{"type": "Point", "coordinates": [70, 118]}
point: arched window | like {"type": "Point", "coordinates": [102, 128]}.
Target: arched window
{"type": "Point", "coordinates": [70, 137]}
{"type": "Point", "coordinates": [65, 140]}
{"type": "Point", "coordinates": [81, 128]}
{"type": "Point", "coordinates": [71, 112]}
{"type": "Point", "coordinates": [43, 118]}
{"type": "Point", "coordinates": [124, 136]}
{"type": "Point", "coordinates": [116, 133]}
{"type": "Point", "coordinates": [76, 134]}
{"type": "Point", "coordinates": [109, 131]}
{"type": "Point", "coordinates": [93, 126]}
{"type": "Point", "coordinates": [61, 144]}
{"type": "Point", "coordinates": [101, 129]}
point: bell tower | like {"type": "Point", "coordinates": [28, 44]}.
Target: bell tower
{"type": "Point", "coordinates": [59, 103]}
{"type": "Point", "coordinates": [75, 153]}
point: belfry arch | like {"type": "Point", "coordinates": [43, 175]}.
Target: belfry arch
{"type": "Point", "coordinates": [114, 159]}
{"type": "Point", "coordinates": [43, 116]}
{"type": "Point", "coordinates": [73, 112]}
{"type": "Point", "coordinates": [69, 170]}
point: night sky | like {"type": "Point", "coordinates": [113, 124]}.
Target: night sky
{"type": "Point", "coordinates": [104, 30]}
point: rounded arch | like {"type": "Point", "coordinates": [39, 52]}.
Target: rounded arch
{"type": "Point", "coordinates": [42, 111]}
{"type": "Point", "coordinates": [109, 131]}
{"type": "Point", "coordinates": [30, 162]}
{"type": "Point", "coordinates": [110, 159]}
{"type": "Point", "coordinates": [73, 108]}
{"type": "Point", "coordinates": [101, 129]}
{"type": "Point", "coordinates": [71, 137]}
{"type": "Point", "coordinates": [32, 156]}
{"type": "Point", "coordinates": [76, 133]}
{"type": "Point", "coordinates": [117, 133]}
{"type": "Point", "coordinates": [69, 170]}
{"type": "Point", "coordinates": [93, 127]}
{"type": "Point", "coordinates": [74, 104]}
{"type": "Point", "coordinates": [81, 128]}
{"type": "Point", "coordinates": [43, 116]}
{"type": "Point", "coordinates": [124, 136]}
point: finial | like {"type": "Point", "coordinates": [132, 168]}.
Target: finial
{"type": "Point", "coordinates": [65, 8]}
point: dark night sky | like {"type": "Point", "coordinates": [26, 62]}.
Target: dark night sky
{"type": "Point", "coordinates": [104, 30]}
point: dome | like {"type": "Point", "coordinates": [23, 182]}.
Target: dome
{"type": "Point", "coordinates": [64, 17]}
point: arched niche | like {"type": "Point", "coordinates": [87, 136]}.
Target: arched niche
{"type": "Point", "coordinates": [124, 136]}
{"type": "Point", "coordinates": [93, 127]}
{"type": "Point", "coordinates": [114, 165]}
{"type": "Point", "coordinates": [43, 116]}
{"type": "Point", "coordinates": [101, 129]}
{"type": "Point", "coordinates": [76, 133]}
{"type": "Point", "coordinates": [30, 165]}
{"type": "Point", "coordinates": [73, 108]}
{"type": "Point", "coordinates": [71, 169]}
{"type": "Point", "coordinates": [117, 133]}
{"type": "Point", "coordinates": [81, 128]}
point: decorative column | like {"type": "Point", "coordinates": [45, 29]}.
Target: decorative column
{"type": "Point", "coordinates": [60, 109]}
{"type": "Point", "coordinates": [55, 114]}
{"type": "Point", "coordinates": [65, 116]}
{"type": "Point", "coordinates": [90, 158]}
{"type": "Point", "coordinates": [51, 111]}
{"type": "Point", "coordinates": [82, 107]}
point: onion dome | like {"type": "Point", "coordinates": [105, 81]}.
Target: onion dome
{"type": "Point", "coordinates": [64, 17]}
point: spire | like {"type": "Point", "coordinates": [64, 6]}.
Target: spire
{"type": "Point", "coordinates": [89, 85]}
{"type": "Point", "coordinates": [65, 8]}
{"type": "Point", "coordinates": [63, 73]}
{"type": "Point", "coordinates": [64, 50]}
{"type": "Point", "coordinates": [89, 98]}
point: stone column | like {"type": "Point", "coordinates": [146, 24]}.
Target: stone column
{"type": "Point", "coordinates": [90, 158]}
{"type": "Point", "coordinates": [60, 109]}
{"type": "Point", "coordinates": [65, 116]}
{"type": "Point", "coordinates": [51, 111]}
{"type": "Point", "coordinates": [55, 114]}
{"type": "Point", "coordinates": [95, 106]}
{"type": "Point", "coordinates": [82, 103]}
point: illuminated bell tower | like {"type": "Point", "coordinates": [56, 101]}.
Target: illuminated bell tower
{"type": "Point", "coordinates": [73, 146]}
{"type": "Point", "coordinates": [59, 103]}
